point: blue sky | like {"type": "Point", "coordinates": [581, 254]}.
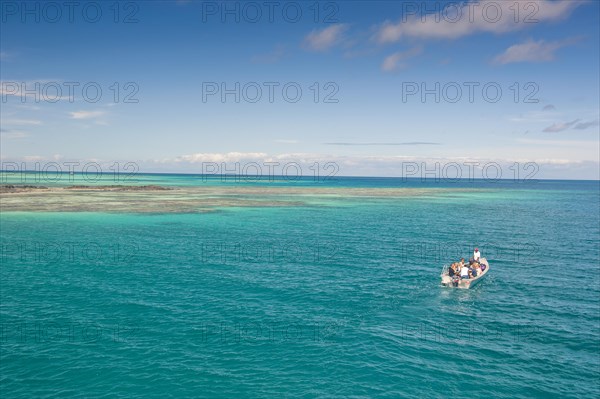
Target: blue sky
{"type": "Point", "coordinates": [364, 55]}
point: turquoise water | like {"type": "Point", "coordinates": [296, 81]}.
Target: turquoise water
{"type": "Point", "coordinates": [337, 298]}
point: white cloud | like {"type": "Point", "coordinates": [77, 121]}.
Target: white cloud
{"type": "Point", "coordinates": [559, 143]}
{"type": "Point", "coordinates": [9, 134]}
{"type": "Point", "coordinates": [28, 107]}
{"type": "Point", "coordinates": [286, 141]}
{"type": "Point", "coordinates": [564, 165]}
{"type": "Point", "coordinates": [531, 51]}
{"type": "Point", "coordinates": [560, 126]}
{"type": "Point", "coordinates": [368, 160]}
{"type": "Point", "coordinates": [458, 20]}
{"type": "Point", "coordinates": [324, 39]}
{"type": "Point", "coordinates": [222, 157]}
{"type": "Point", "coordinates": [376, 165]}
{"type": "Point", "coordinates": [21, 122]}
{"type": "Point", "coordinates": [397, 60]}
{"type": "Point", "coordinates": [585, 125]}
{"type": "Point", "coordinates": [86, 114]}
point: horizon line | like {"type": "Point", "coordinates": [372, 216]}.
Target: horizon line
{"type": "Point", "coordinates": [321, 178]}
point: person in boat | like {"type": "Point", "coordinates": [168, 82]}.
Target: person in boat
{"type": "Point", "coordinates": [452, 270]}
{"type": "Point", "coordinates": [471, 268]}
{"type": "Point", "coordinates": [457, 268]}
{"type": "Point", "coordinates": [476, 269]}
{"type": "Point", "coordinates": [456, 278]}
{"type": "Point", "coordinates": [476, 255]}
{"type": "Point", "coordinates": [465, 272]}
{"type": "Point", "coordinates": [462, 262]}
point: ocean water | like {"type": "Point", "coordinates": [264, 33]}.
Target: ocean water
{"type": "Point", "coordinates": [333, 291]}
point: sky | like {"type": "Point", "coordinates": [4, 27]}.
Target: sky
{"type": "Point", "coordinates": [369, 86]}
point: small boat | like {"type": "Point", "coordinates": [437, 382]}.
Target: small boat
{"type": "Point", "coordinates": [464, 283]}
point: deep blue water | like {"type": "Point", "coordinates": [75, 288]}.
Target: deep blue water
{"type": "Point", "coordinates": [337, 298]}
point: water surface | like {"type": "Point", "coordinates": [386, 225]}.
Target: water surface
{"type": "Point", "coordinates": [289, 289]}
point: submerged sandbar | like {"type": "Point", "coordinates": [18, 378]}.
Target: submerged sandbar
{"type": "Point", "coordinates": [197, 199]}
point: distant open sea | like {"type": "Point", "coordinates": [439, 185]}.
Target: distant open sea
{"type": "Point", "coordinates": [336, 295]}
